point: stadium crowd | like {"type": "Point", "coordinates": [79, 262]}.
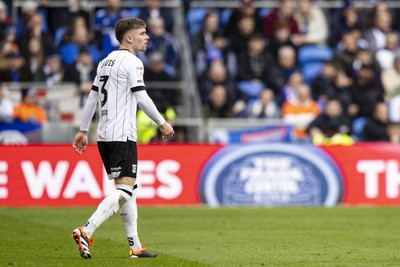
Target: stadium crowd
{"type": "Point", "coordinates": [332, 73]}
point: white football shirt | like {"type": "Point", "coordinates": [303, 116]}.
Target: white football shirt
{"type": "Point", "coordinates": [118, 76]}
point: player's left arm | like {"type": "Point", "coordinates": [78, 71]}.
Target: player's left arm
{"type": "Point", "coordinates": [150, 109]}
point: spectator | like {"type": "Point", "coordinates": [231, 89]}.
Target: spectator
{"type": "Point", "coordinates": [218, 105]}
{"type": "Point", "coordinates": [348, 19]}
{"type": "Point", "coordinates": [35, 30]}
{"type": "Point", "coordinates": [264, 106]}
{"type": "Point", "coordinates": [300, 112]}
{"type": "Point", "coordinates": [153, 9]}
{"type": "Point", "coordinates": [52, 72]}
{"type": "Point", "coordinates": [391, 79]}
{"type": "Point", "coordinates": [323, 86]}
{"type": "Point", "coordinates": [385, 57]}
{"type": "Point", "coordinates": [241, 37]}
{"type": "Point", "coordinates": [220, 49]}
{"type": "Point", "coordinates": [80, 39]}
{"type": "Point", "coordinates": [376, 36]}
{"type": "Point", "coordinates": [217, 74]}
{"type": "Point", "coordinates": [394, 132]}
{"type": "Point", "coordinates": [82, 72]}
{"type": "Point", "coordinates": [29, 9]}
{"type": "Point", "coordinates": [285, 67]}
{"type": "Point", "coordinates": [312, 24]}
{"type": "Point", "coordinates": [18, 71]}
{"type": "Point", "coordinates": [364, 57]}
{"type": "Point", "coordinates": [28, 110]}
{"type": "Point", "coordinates": [380, 7]}
{"type": "Point", "coordinates": [394, 109]}
{"type": "Point", "coordinates": [76, 22]}
{"type": "Point", "coordinates": [280, 37]}
{"type": "Point", "coordinates": [365, 91]}
{"type": "Point", "coordinates": [342, 92]}
{"type": "Point", "coordinates": [376, 128]}
{"type": "Point", "coordinates": [203, 38]}
{"type": "Point", "coordinates": [345, 55]}
{"type": "Point", "coordinates": [245, 9]}
{"type": "Point", "coordinates": [331, 126]}
{"type": "Point", "coordinates": [6, 108]}
{"type": "Point", "coordinates": [254, 63]}
{"type": "Point", "coordinates": [35, 57]}
{"type": "Point", "coordinates": [105, 19]}
{"type": "Point", "coordinates": [59, 18]}
{"type": "Point", "coordinates": [155, 72]}
{"type": "Point", "coordinates": [289, 90]}
{"type": "Point", "coordinates": [8, 45]}
{"type": "Point", "coordinates": [5, 20]}
{"type": "Point", "coordinates": [165, 43]}
{"type": "Point", "coordinates": [283, 14]}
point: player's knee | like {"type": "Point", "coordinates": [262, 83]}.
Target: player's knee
{"type": "Point", "coordinates": [126, 192]}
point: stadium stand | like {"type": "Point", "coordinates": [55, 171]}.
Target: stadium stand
{"type": "Point", "coordinates": [355, 45]}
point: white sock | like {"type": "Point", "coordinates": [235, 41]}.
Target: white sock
{"type": "Point", "coordinates": [107, 208]}
{"type": "Point", "coordinates": [129, 216]}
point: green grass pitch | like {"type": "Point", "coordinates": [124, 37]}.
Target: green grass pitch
{"type": "Point", "coordinates": [202, 236]}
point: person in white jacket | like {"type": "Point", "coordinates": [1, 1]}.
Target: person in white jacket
{"type": "Point", "coordinates": [312, 25]}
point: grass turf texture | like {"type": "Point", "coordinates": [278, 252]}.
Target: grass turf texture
{"type": "Point", "coordinates": [204, 236]}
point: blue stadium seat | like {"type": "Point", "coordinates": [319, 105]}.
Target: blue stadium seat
{"type": "Point", "coordinates": [312, 58]}
{"type": "Point", "coordinates": [134, 12]}
{"type": "Point", "coordinates": [311, 53]}
{"type": "Point", "coordinates": [310, 70]}
{"type": "Point", "coordinates": [225, 15]}
{"type": "Point", "coordinates": [250, 88]}
{"type": "Point", "coordinates": [195, 18]}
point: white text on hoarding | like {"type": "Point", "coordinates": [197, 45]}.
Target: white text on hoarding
{"type": "Point", "coordinates": [372, 169]}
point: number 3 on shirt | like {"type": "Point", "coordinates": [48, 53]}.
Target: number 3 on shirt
{"type": "Point", "coordinates": [104, 79]}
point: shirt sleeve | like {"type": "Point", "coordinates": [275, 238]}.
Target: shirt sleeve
{"type": "Point", "coordinates": [136, 71]}
{"type": "Point", "coordinates": [147, 105]}
{"type": "Point", "coordinates": [89, 110]}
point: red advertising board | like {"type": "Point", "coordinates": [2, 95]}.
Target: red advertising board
{"type": "Point", "coordinates": [371, 173]}
{"type": "Point", "coordinates": [54, 175]}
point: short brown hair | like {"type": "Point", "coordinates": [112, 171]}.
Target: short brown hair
{"type": "Point", "coordinates": [126, 24]}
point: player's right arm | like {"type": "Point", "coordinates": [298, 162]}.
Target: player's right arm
{"type": "Point", "coordinates": [81, 139]}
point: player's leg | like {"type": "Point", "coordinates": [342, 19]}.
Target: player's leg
{"type": "Point", "coordinates": [129, 216]}
{"type": "Point", "coordinates": [114, 162]}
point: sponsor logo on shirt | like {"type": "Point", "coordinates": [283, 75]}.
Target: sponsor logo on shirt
{"type": "Point", "coordinates": [139, 71]}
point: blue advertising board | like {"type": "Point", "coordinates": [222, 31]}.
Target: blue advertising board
{"type": "Point", "coordinates": [271, 175]}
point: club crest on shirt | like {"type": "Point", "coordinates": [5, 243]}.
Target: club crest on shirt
{"type": "Point", "coordinates": [139, 71]}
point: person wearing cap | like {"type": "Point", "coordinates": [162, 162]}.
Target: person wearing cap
{"type": "Point", "coordinates": [28, 110]}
